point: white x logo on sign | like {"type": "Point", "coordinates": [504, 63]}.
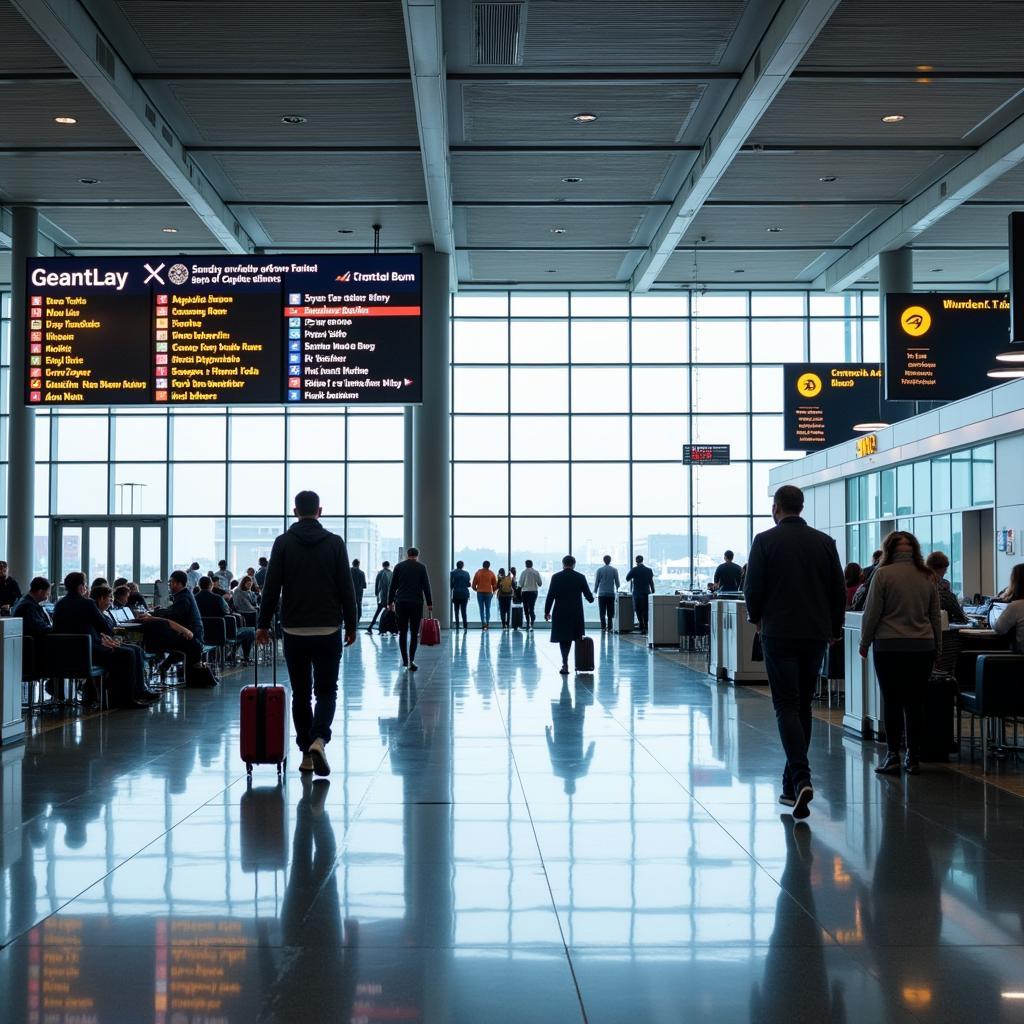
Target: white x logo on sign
{"type": "Point", "coordinates": [154, 273]}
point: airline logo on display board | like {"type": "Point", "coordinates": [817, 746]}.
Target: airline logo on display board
{"type": "Point", "coordinates": [915, 321]}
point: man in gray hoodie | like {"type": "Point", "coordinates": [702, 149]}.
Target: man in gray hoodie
{"type": "Point", "coordinates": [309, 571]}
{"type": "Point", "coordinates": [606, 586]}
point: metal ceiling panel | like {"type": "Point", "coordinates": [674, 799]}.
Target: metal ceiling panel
{"type": "Point", "coordinates": [55, 178]}
{"type": "Point", "coordinates": [21, 49]}
{"type": "Point", "coordinates": [309, 228]}
{"type": "Point", "coordinates": [1007, 189]}
{"type": "Point", "coordinates": [941, 113]}
{"type": "Point", "coordinates": [969, 225]}
{"type": "Point", "coordinates": [643, 33]}
{"type": "Point", "coordinates": [499, 226]}
{"type": "Point", "coordinates": [269, 36]}
{"type": "Point", "coordinates": [322, 177]}
{"type": "Point", "coordinates": [124, 225]}
{"type": "Point", "coordinates": [351, 114]}
{"type": "Point", "coordinates": [550, 268]}
{"type": "Point", "coordinates": [533, 113]}
{"type": "Point", "coordinates": [934, 269]}
{"type": "Point", "coordinates": [624, 177]}
{"type": "Point", "coordinates": [27, 111]}
{"type": "Point", "coordinates": [796, 175]}
{"type": "Point", "coordinates": [942, 35]}
{"type": "Point", "coordinates": [718, 267]}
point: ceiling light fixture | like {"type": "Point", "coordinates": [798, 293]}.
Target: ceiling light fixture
{"type": "Point", "coordinates": [550, 271]}
{"type": "Point", "coordinates": [558, 231]}
{"type": "Point", "coordinates": [925, 67]}
{"type": "Point", "coordinates": [572, 181]}
{"type": "Point", "coordinates": [774, 230]}
{"type": "Point", "coordinates": [345, 231]}
{"type": "Point", "coordinates": [893, 118]}
{"type": "Point", "coordinates": [584, 118]}
{"type": "Point", "coordinates": [1013, 356]}
{"type": "Point", "coordinates": [937, 270]}
{"type": "Point", "coordinates": [169, 231]}
{"type": "Point", "coordinates": [64, 119]}
{"type": "Point", "coordinates": [739, 270]}
{"type": "Point", "coordinates": [293, 119]}
{"type": "Point", "coordinates": [1006, 374]}
{"type": "Point", "coordinates": [88, 181]}
{"type": "Point", "coordinates": [869, 428]}
{"type": "Point", "coordinates": [827, 179]}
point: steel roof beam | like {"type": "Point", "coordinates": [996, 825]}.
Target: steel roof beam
{"type": "Point", "coordinates": [67, 27]}
{"type": "Point", "coordinates": [793, 29]}
{"type": "Point", "coordinates": [1000, 154]}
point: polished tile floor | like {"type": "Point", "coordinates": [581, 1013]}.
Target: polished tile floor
{"type": "Point", "coordinates": [497, 845]}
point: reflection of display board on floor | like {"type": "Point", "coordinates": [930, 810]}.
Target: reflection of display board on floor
{"type": "Point", "coordinates": [824, 401]}
{"type": "Point", "coordinates": [940, 347]}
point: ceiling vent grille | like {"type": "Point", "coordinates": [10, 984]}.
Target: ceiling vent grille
{"type": "Point", "coordinates": [499, 33]}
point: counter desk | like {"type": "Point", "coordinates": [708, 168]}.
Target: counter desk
{"type": "Point", "coordinates": [12, 724]}
{"type": "Point", "coordinates": [732, 643]}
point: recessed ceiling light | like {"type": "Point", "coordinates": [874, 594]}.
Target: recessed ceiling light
{"type": "Point", "coordinates": [293, 119]}
{"type": "Point", "coordinates": [345, 231]}
{"type": "Point", "coordinates": [88, 181]}
{"type": "Point", "coordinates": [936, 270]}
{"type": "Point", "coordinates": [572, 181]}
{"type": "Point", "coordinates": [550, 271]}
{"type": "Point", "coordinates": [585, 118]}
{"type": "Point", "coordinates": [774, 230]}
{"type": "Point", "coordinates": [1006, 374]}
{"type": "Point", "coordinates": [66, 120]}
{"type": "Point", "coordinates": [893, 118]}
{"type": "Point", "coordinates": [739, 270]}
{"type": "Point", "coordinates": [828, 178]}
{"type": "Point", "coordinates": [924, 67]}
{"type": "Point", "coordinates": [169, 231]}
{"type": "Point", "coordinates": [869, 428]}
{"type": "Point", "coordinates": [1012, 356]}
{"type": "Point", "coordinates": [558, 231]}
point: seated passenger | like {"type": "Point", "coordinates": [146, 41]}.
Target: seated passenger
{"type": "Point", "coordinates": [244, 600]}
{"type": "Point", "coordinates": [9, 590]}
{"type": "Point", "coordinates": [121, 595]}
{"type": "Point", "coordinates": [36, 620]}
{"type": "Point", "coordinates": [939, 564]}
{"type": "Point", "coordinates": [135, 599]}
{"type": "Point", "coordinates": [141, 693]}
{"type": "Point", "coordinates": [1012, 618]}
{"type": "Point", "coordinates": [213, 606]}
{"type": "Point", "coordinates": [185, 623]}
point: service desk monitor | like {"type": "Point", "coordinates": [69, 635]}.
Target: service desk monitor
{"type": "Point", "coordinates": [706, 455]}
{"type": "Point", "coordinates": [202, 330]}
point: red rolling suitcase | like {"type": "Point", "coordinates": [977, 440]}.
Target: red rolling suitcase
{"type": "Point", "coordinates": [584, 654]}
{"type": "Point", "coordinates": [430, 632]}
{"type": "Point", "coordinates": [263, 738]}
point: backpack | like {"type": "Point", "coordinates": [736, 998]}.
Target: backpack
{"type": "Point", "coordinates": [860, 597]}
{"type": "Point", "coordinates": [505, 586]}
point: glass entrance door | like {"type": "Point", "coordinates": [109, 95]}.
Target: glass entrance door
{"type": "Point", "coordinates": [134, 547]}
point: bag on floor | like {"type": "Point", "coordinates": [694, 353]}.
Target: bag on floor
{"type": "Point", "coordinates": [517, 616]}
{"type": "Point", "coordinates": [263, 737]}
{"type": "Point", "coordinates": [430, 632]}
{"type": "Point", "coordinates": [584, 654]}
{"type": "Point", "coordinates": [201, 676]}
{"type": "Point", "coordinates": [939, 739]}
{"type": "Point", "coordinates": [389, 621]}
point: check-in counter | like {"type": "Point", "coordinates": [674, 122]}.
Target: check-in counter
{"type": "Point", "coordinates": [624, 610]}
{"type": "Point", "coordinates": [715, 657]}
{"type": "Point", "coordinates": [736, 636]}
{"type": "Point", "coordinates": [863, 708]}
{"type": "Point", "coordinates": [12, 724]}
{"type": "Point", "coordinates": [664, 625]}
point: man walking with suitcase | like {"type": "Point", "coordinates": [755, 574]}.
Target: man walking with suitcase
{"type": "Point", "coordinates": [309, 572]}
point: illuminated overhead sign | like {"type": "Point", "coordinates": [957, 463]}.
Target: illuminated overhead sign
{"type": "Point", "coordinates": [706, 455]}
{"type": "Point", "coordinates": [336, 329]}
{"type": "Point", "coordinates": [940, 346]}
{"type": "Point", "coordinates": [867, 445]}
{"type": "Point", "coordinates": [825, 401]}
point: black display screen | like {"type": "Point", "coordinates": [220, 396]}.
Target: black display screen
{"type": "Point", "coordinates": [824, 401]}
{"type": "Point", "coordinates": [706, 455]}
{"type": "Point", "coordinates": [335, 329]}
{"type": "Point", "coordinates": [940, 346]}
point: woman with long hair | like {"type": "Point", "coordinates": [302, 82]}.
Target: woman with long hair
{"type": "Point", "coordinates": [903, 622]}
{"type": "Point", "coordinates": [851, 574]}
{"type": "Point", "coordinates": [1012, 618]}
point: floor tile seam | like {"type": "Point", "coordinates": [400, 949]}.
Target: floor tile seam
{"type": "Point", "coordinates": [540, 855]}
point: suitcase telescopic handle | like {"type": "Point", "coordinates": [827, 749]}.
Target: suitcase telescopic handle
{"type": "Point", "coordinates": [273, 657]}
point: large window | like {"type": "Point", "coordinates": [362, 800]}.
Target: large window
{"type": "Point", "coordinates": [570, 412]}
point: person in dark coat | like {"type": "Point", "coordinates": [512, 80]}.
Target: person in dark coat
{"type": "Point", "coordinates": [566, 591]}
{"type": "Point", "coordinates": [359, 583]}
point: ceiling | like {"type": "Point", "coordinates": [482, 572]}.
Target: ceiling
{"type": "Point", "coordinates": [806, 183]}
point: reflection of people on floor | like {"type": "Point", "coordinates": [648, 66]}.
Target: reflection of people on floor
{"type": "Point", "coordinates": [318, 968]}
{"type": "Point", "coordinates": [529, 670]}
{"type": "Point", "coordinates": [405, 736]}
{"type": "Point", "coordinates": [565, 736]}
{"type": "Point", "coordinates": [795, 986]}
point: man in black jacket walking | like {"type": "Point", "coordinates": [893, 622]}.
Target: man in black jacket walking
{"type": "Point", "coordinates": [796, 596]}
{"type": "Point", "coordinates": [410, 587]}
{"type": "Point", "coordinates": [310, 572]}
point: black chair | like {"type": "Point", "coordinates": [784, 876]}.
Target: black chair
{"type": "Point", "coordinates": [998, 693]}
{"type": "Point", "coordinates": [702, 625]}
{"type": "Point", "coordinates": [68, 656]}
{"type": "Point", "coordinates": [30, 675]}
{"type": "Point", "coordinates": [215, 631]}
{"type": "Point", "coordinates": [833, 671]}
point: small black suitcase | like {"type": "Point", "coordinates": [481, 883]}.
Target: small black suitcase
{"type": "Point", "coordinates": [939, 738]}
{"type": "Point", "coordinates": [389, 621]}
{"type": "Point", "coordinates": [517, 616]}
{"type": "Point", "coordinates": [584, 654]}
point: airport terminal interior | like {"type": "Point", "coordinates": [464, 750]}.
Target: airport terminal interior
{"type": "Point", "coordinates": [506, 282]}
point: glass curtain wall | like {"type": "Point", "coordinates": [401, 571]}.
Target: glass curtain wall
{"type": "Point", "coordinates": [570, 412]}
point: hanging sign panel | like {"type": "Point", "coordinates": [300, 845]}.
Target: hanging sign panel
{"type": "Point", "coordinates": [824, 401]}
{"type": "Point", "coordinates": [940, 346]}
{"type": "Point", "coordinates": [333, 329]}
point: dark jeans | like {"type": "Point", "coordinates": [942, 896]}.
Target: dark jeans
{"type": "Point", "coordinates": [459, 606]}
{"type": "Point", "coordinates": [484, 602]}
{"type": "Point", "coordinates": [640, 606]}
{"type": "Point", "coordinates": [313, 663]}
{"type": "Point", "coordinates": [376, 614]}
{"type": "Point", "coordinates": [409, 615]}
{"type": "Point", "coordinates": [529, 607]}
{"type": "Point", "coordinates": [125, 670]}
{"type": "Point", "coordinates": [245, 637]}
{"type": "Point", "coordinates": [792, 666]}
{"type": "Point", "coordinates": [505, 607]}
{"type": "Point", "coordinates": [902, 678]}
{"type": "Point", "coordinates": [359, 606]}
{"type": "Point", "coordinates": [606, 607]}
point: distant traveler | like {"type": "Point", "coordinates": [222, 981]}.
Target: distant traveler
{"type": "Point", "coordinates": [359, 583]}
{"type": "Point", "coordinates": [1011, 620]}
{"type": "Point", "coordinates": [564, 608]}
{"type": "Point", "coordinates": [506, 588]}
{"type": "Point", "coordinates": [35, 620]}
{"type": "Point", "coordinates": [9, 590]}
{"type": "Point", "coordinates": [485, 583]}
{"type": "Point", "coordinates": [530, 582]}
{"type": "Point", "coordinates": [223, 575]}
{"type": "Point", "coordinates": [459, 584]}
{"type": "Point", "coordinates": [243, 600]}
{"type": "Point", "coordinates": [728, 576]}
{"type": "Point", "coordinates": [903, 621]}
{"type": "Point", "coordinates": [852, 575]}
{"type": "Point", "coordinates": [261, 572]}
{"type": "Point", "coordinates": [410, 587]}
{"type": "Point", "coordinates": [642, 579]}
{"type": "Point", "coordinates": [309, 573]}
{"type": "Point", "coordinates": [796, 597]}
{"type": "Point", "coordinates": [606, 587]}
{"type": "Point", "coordinates": [381, 586]}
{"type": "Point", "coordinates": [192, 572]}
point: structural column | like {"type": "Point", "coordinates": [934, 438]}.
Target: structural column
{"type": "Point", "coordinates": [21, 467]}
{"type": "Point", "coordinates": [895, 275]}
{"type": "Point", "coordinates": [431, 460]}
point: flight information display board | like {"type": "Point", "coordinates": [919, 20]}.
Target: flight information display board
{"type": "Point", "coordinates": [824, 401]}
{"type": "Point", "coordinates": [333, 329]}
{"type": "Point", "coordinates": [940, 346]}
{"type": "Point", "coordinates": [706, 455]}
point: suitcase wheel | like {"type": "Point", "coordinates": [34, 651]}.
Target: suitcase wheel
{"type": "Point", "coordinates": [248, 768]}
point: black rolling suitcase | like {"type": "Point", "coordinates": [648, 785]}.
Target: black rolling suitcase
{"type": "Point", "coordinates": [584, 654]}
{"type": "Point", "coordinates": [517, 616]}
{"type": "Point", "coordinates": [939, 738]}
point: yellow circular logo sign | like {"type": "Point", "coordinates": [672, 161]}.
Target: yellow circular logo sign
{"type": "Point", "coordinates": [809, 385]}
{"type": "Point", "coordinates": [915, 321]}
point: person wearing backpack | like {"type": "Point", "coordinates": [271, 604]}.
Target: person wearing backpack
{"type": "Point", "coordinates": [506, 588]}
{"type": "Point", "coordinates": [381, 586]}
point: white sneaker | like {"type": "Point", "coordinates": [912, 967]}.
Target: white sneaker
{"type": "Point", "coordinates": [319, 759]}
{"type": "Point", "coordinates": [307, 764]}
